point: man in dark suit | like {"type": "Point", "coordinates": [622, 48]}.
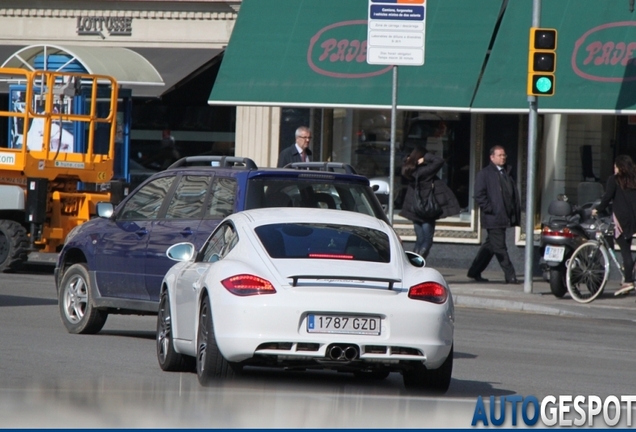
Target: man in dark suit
{"type": "Point", "coordinates": [497, 197]}
{"type": "Point", "coordinates": [299, 151]}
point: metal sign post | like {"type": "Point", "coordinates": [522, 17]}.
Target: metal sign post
{"type": "Point", "coordinates": [395, 36]}
{"type": "Point", "coordinates": [393, 129]}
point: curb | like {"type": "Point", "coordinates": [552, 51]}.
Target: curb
{"type": "Point", "coordinates": [511, 305]}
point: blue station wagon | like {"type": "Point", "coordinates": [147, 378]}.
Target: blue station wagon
{"type": "Point", "coordinates": [114, 264]}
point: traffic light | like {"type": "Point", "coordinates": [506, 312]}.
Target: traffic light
{"type": "Point", "coordinates": [542, 61]}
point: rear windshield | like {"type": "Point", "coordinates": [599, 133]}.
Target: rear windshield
{"type": "Point", "coordinates": [314, 192]}
{"type": "Point", "coordinates": [323, 241]}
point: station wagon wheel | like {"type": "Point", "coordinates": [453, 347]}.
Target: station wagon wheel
{"type": "Point", "coordinates": [76, 311]}
{"type": "Point", "coordinates": [169, 359]}
{"type": "Point", "coordinates": [433, 381]}
{"type": "Point", "coordinates": [211, 365]}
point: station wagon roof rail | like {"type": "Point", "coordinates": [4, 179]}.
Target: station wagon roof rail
{"type": "Point", "coordinates": [215, 162]}
{"type": "Point", "coordinates": [323, 166]}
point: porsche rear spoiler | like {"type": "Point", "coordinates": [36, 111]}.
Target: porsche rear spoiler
{"type": "Point", "coordinates": [389, 281]}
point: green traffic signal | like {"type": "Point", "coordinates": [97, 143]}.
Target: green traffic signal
{"type": "Point", "coordinates": [541, 62]}
{"type": "Point", "coordinates": [543, 85]}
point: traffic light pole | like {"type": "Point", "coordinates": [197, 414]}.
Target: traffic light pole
{"type": "Point", "coordinates": [530, 201]}
{"type": "Point", "coordinates": [532, 158]}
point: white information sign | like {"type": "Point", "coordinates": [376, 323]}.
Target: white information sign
{"type": "Point", "coordinates": [396, 32]}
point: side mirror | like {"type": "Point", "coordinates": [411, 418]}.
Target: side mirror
{"type": "Point", "coordinates": [181, 252]}
{"type": "Point", "coordinates": [104, 209]}
{"type": "Point", "coordinates": [380, 185]}
{"type": "Point", "coordinates": [381, 189]}
{"type": "Point", "coordinates": [415, 259]}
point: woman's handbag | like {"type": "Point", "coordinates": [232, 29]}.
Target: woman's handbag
{"type": "Point", "coordinates": [426, 207]}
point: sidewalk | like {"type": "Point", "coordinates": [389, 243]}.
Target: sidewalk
{"type": "Point", "coordinates": [495, 294]}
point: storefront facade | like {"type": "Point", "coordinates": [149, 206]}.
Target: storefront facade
{"type": "Point", "coordinates": [469, 95]}
{"type": "Point", "coordinates": [240, 76]}
{"type": "Point", "coordinates": [182, 41]}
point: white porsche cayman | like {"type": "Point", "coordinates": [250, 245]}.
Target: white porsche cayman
{"type": "Point", "coordinates": [306, 288]}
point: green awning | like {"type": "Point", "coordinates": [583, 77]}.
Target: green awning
{"type": "Point", "coordinates": [594, 74]}
{"type": "Point", "coordinates": [311, 53]}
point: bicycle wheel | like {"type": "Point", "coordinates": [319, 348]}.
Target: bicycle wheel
{"type": "Point", "coordinates": [587, 272]}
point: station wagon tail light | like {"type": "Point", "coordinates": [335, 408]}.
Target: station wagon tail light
{"type": "Point", "coordinates": [248, 285]}
{"type": "Point", "coordinates": [429, 291]}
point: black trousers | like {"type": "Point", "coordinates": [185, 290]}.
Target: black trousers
{"type": "Point", "coordinates": [495, 245]}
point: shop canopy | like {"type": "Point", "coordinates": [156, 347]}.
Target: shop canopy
{"type": "Point", "coordinates": [310, 53]}
{"type": "Point", "coordinates": [596, 47]}
{"type": "Point", "coordinates": [148, 72]}
{"type": "Point", "coordinates": [313, 53]}
{"type": "Point", "coordinates": [126, 66]}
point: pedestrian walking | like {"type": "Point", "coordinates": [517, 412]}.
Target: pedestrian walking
{"type": "Point", "coordinates": [620, 189]}
{"type": "Point", "coordinates": [420, 170]}
{"type": "Point", "coordinates": [497, 196]}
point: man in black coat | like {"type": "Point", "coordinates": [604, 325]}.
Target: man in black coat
{"type": "Point", "coordinates": [299, 151]}
{"type": "Point", "coordinates": [497, 197]}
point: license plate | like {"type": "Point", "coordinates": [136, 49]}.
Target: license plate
{"type": "Point", "coordinates": [343, 324]}
{"type": "Point", "coordinates": [554, 253]}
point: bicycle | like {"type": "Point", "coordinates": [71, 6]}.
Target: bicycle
{"type": "Point", "coordinates": [589, 267]}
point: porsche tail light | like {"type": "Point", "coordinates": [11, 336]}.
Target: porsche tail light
{"type": "Point", "coordinates": [429, 291]}
{"type": "Point", "coordinates": [248, 285]}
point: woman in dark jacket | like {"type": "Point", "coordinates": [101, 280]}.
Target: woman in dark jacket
{"type": "Point", "coordinates": [422, 166]}
{"type": "Point", "coordinates": [621, 190]}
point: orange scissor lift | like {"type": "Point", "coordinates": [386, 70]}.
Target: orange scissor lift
{"type": "Point", "coordinates": [57, 160]}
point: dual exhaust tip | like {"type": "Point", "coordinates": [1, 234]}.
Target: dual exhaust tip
{"type": "Point", "coordinates": [343, 352]}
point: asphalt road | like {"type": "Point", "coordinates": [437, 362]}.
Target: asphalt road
{"type": "Point", "coordinates": [52, 379]}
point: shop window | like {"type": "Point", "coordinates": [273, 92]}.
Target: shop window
{"type": "Point", "coordinates": [363, 139]}
{"type": "Point", "coordinates": [371, 148]}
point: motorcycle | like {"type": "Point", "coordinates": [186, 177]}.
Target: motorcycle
{"type": "Point", "coordinates": [560, 236]}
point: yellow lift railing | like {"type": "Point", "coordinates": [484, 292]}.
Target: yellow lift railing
{"type": "Point", "coordinates": [53, 135]}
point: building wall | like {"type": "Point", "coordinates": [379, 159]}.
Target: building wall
{"type": "Point", "coordinates": [553, 167]}
{"type": "Point", "coordinates": [198, 24]}
{"type": "Point", "coordinates": [257, 134]}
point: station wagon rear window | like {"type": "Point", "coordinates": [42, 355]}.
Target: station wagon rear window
{"type": "Point", "coordinates": [324, 241]}
{"type": "Point", "coordinates": [313, 192]}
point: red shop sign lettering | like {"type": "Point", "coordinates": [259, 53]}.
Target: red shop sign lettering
{"type": "Point", "coordinates": [600, 51]}
{"type": "Point", "coordinates": [336, 51]}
